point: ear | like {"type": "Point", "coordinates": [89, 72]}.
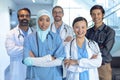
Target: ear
{"type": "Point", "coordinates": [62, 14]}
{"type": "Point", "coordinates": [103, 16]}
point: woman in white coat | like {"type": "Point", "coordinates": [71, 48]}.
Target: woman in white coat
{"type": "Point", "coordinates": [83, 56]}
{"type": "Point", "coordinates": [14, 45]}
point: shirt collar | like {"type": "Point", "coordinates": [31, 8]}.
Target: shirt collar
{"type": "Point", "coordinates": [100, 28]}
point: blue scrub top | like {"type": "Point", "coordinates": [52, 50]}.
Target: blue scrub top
{"type": "Point", "coordinates": [53, 46]}
{"type": "Point", "coordinates": [82, 53]}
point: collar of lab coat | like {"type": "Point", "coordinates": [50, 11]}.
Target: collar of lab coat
{"type": "Point", "coordinates": [30, 30]}
{"type": "Point", "coordinates": [74, 49]}
{"type": "Point", "coordinates": [53, 28]}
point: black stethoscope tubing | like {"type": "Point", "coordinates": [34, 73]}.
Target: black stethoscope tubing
{"type": "Point", "coordinates": [64, 27]}
{"type": "Point", "coordinates": [38, 42]}
{"type": "Point", "coordinates": [88, 45]}
{"type": "Point", "coordinates": [20, 34]}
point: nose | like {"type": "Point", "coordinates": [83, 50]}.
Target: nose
{"type": "Point", "coordinates": [96, 15]}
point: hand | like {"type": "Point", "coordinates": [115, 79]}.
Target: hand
{"type": "Point", "coordinates": [53, 58]}
{"type": "Point", "coordinates": [94, 56]}
{"type": "Point", "coordinates": [68, 38]}
{"type": "Point", "coordinates": [28, 61]}
{"type": "Point", "coordinates": [31, 54]}
{"type": "Point", "coordinates": [69, 62]}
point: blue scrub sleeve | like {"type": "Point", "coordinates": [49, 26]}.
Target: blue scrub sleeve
{"type": "Point", "coordinates": [26, 48]}
{"type": "Point", "coordinates": [60, 52]}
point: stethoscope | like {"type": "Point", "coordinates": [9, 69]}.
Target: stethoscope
{"type": "Point", "coordinates": [63, 28]}
{"type": "Point", "coordinates": [63, 31]}
{"type": "Point", "coordinates": [91, 45]}
{"type": "Point", "coordinates": [21, 35]}
{"type": "Point", "coordinates": [47, 43]}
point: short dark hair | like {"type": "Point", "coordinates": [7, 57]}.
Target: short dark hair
{"type": "Point", "coordinates": [79, 19]}
{"type": "Point", "coordinates": [57, 7]}
{"type": "Point", "coordinates": [26, 9]}
{"type": "Point", "coordinates": [97, 7]}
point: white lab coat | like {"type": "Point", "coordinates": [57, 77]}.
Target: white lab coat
{"type": "Point", "coordinates": [65, 31]}
{"type": "Point", "coordinates": [84, 64]}
{"type": "Point", "coordinates": [14, 47]}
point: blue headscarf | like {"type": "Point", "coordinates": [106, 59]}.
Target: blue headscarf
{"type": "Point", "coordinates": [42, 34]}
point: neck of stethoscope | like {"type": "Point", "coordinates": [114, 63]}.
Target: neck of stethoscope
{"type": "Point", "coordinates": [21, 33]}
{"type": "Point", "coordinates": [37, 41]}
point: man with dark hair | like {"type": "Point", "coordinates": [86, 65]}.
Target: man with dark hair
{"type": "Point", "coordinates": [105, 37]}
{"type": "Point", "coordinates": [14, 44]}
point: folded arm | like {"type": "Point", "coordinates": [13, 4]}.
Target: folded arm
{"type": "Point", "coordinates": [45, 61]}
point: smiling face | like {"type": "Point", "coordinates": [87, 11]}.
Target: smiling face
{"type": "Point", "coordinates": [80, 29]}
{"type": "Point", "coordinates": [23, 17]}
{"type": "Point", "coordinates": [97, 16]}
{"type": "Point", "coordinates": [57, 14]}
{"type": "Point", "coordinates": [44, 22]}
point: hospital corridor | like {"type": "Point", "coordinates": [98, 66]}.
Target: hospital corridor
{"type": "Point", "coordinates": [72, 9]}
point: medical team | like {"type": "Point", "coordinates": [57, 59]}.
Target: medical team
{"type": "Point", "coordinates": [41, 54]}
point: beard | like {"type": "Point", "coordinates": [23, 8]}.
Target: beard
{"type": "Point", "coordinates": [24, 22]}
{"type": "Point", "coordinates": [57, 19]}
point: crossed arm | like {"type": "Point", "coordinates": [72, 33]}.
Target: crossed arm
{"type": "Point", "coordinates": [45, 61]}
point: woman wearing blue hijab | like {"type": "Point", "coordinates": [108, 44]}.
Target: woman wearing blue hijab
{"type": "Point", "coordinates": [43, 51]}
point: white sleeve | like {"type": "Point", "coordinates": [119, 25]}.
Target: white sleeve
{"type": "Point", "coordinates": [41, 59]}
{"type": "Point", "coordinates": [85, 64]}
{"type": "Point", "coordinates": [76, 68]}
{"type": "Point", "coordinates": [46, 62]}
{"type": "Point", "coordinates": [70, 31]}
{"type": "Point", "coordinates": [90, 63]}
{"type": "Point", "coordinates": [12, 48]}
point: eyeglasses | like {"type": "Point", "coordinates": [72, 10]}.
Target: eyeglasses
{"type": "Point", "coordinates": [60, 12]}
{"type": "Point", "coordinates": [22, 16]}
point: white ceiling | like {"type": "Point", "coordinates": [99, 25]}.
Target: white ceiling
{"type": "Point", "coordinates": [29, 2]}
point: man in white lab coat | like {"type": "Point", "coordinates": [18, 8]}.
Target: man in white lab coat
{"type": "Point", "coordinates": [58, 26]}
{"type": "Point", "coordinates": [14, 44]}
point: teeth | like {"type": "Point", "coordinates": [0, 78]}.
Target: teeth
{"type": "Point", "coordinates": [24, 21]}
{"type": "Point", "coordinates": [79, 33]}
